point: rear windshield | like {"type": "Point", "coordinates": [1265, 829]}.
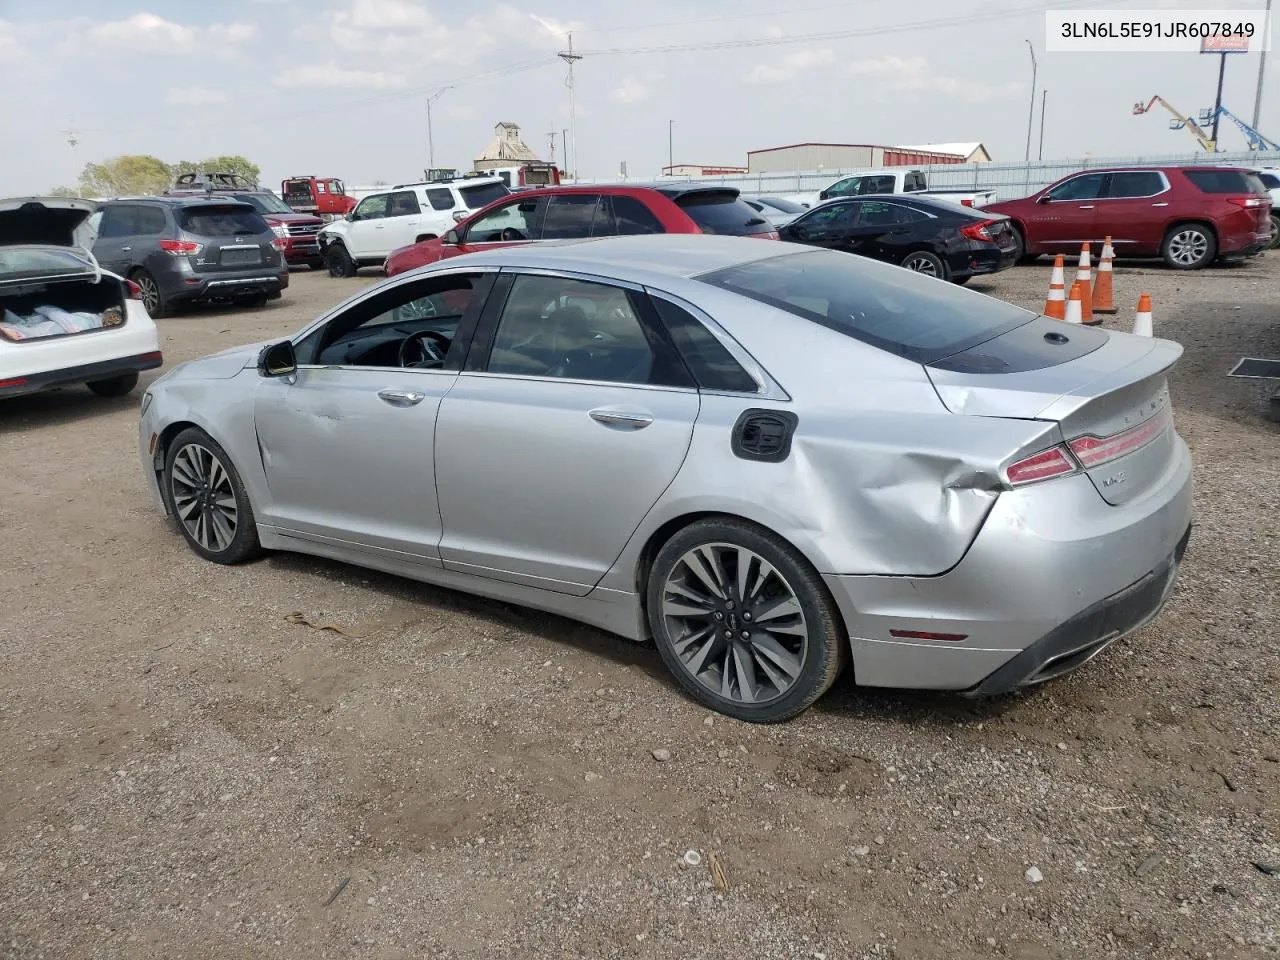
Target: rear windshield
{"type": "Point", "coordinates": [265, 202]}
{"type": "Point", "coordinates": [780, 203]}
{"type": "Point", "coordinates": [483, 194]}
{"type": "Point", "coordinates": [1226, 181]}
{"type": "Point", "coordinates": [222, 221]}
{"type": "Point", "coordinates": [723, 213]}
{"type": "Point", "coordinates": [914, 316]}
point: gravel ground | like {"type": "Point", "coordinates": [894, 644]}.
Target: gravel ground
{"type": "Point", "coordinates": [188, 772]}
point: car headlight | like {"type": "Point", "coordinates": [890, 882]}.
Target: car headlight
{"type": "Point", "coordinates": [146, 403]}
{"type": "Point", "coordinates": [280, 231]}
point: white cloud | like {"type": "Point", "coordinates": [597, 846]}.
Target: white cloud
{"type": "Point", "coordinates": [630, 90]}
{"type": "Point", "coordinates": [907, 75]}
{"type": "Point", "coordinates": [330, 75]}
{"type": "Point", "coordinates": [194, 96]}
{"type": "Point", "coordinates": [790, 66]}
{"type": "Point", "coordinates": [147, 33]}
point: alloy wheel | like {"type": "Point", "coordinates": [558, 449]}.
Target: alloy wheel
{"type": "Point", "coordinates": [1188, 247]}
{"type": "Point", "coordinates": [921, 264]}
{"type": "Point", "coordinates": [735, 623]}
{"type": "Point", "coordinates": [150, 292]}
{"type": "Point", "coordinates": [204, 497]}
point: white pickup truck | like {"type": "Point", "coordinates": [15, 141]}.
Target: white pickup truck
{"type": "Point", "coordinates": [891, 180]}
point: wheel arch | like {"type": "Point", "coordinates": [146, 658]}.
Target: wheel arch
{"type": "Point", "coordinates": [1176, 222]}
{"type": "Point", "coordinates": [426, 236]}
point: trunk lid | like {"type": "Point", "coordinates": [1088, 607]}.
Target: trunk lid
{"type": "Point", "coordinates": [232, 237]}
{"type": "Point", "coordinates": [1108, 392]}
{"type": "Point", "coordinates": [44, 221]}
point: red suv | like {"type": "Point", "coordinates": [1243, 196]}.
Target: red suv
{"type": "Point", "coordinates": [1190, 216]}
{"type": "Point", "coordinates": [570, 213]}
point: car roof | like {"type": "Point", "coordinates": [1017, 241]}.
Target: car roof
{"type": "Point", "coordinates": [448, 182]}
{"type": "Point", "coordinates": [201, 199]}
{"type": "Point", "coordinates": [634, 258]}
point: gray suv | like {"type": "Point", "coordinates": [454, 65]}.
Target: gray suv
{"type": "Point", "coordinates": [181, 250]}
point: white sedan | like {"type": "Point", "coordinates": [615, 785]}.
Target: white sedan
{"type": "Point", "coordinates": [63, 319]}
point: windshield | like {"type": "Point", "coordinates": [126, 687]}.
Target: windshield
{"type": "Point", "coordinates": [482, 194]}
{"type": "Point", "coordinates": [265, 202]}
{"type": "Point", "coordinates": [723, 212]}
{"type": "Point", "coordinates": [914, 316]}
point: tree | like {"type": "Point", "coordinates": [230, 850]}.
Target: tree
{"type": "Point", "coordinates": [129, 174]}
{"type": "Point", "coordinates": [238, 165]}
{"type": "Point", "coordinates": [63, 192]}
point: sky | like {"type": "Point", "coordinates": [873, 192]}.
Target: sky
{"type": "Point", "coordinates": [340, 87]}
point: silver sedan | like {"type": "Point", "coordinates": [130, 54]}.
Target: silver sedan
{"type": "Point", "coordinates": [771, 460]}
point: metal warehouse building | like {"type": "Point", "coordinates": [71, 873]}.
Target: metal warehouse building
{"type": "Point", "coordinates": [852, 156]}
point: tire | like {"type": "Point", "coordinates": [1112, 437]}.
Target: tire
{"type": "Point", "coordinates": [317, 263]}
{"type": "Point", "coordinates": [787, 671]}
{"type": "Point", "coordinates": [1189, 246]}
{"type": "Point", "coordinates": [930, 264]}
{"type": "Point", "coordinates": [210, 509]}
{"type": "Point", "coordinates": [1020, 254]}
{"type": "Point", "coordinates": [1275, 230]}
{"type": "Point", "coordinates": [339, 261]}
{"type": "Point", "coordinates": [153, 297]}
{"type": "Point", "coordinates": [115, 386]}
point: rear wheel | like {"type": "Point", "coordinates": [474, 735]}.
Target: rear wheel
{"type": "Point", "coordinates": [1275, 230]}
{"type": "Point", "coordinates": [317, 263]}
{"type": "Point", "coordinates": [339, 261]}
{"type": "Point", "coordinates": [208, 499]}
{"type": "Point", "coordinates": [114, 386]}
{"type": "Point", "coordinates": [1020, 254]}
{"type": "Point", "coordinates": [152, 297]}
{"type": "Point", "coordinates": [930, 264]}
{"type": "Point", "coordinates": [1189, 246]}
{"type": "Point", "coordinates": [743, 621]}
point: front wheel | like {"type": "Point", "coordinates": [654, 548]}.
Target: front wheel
{"type": "Point", "coordinates": [930, 264]}
{"type": "Point", "coordinates": [152, 297]}
{"type": "Point", "coordinates": [743, 622]}
{"type": "Point", "coordinates": [1189, 246]}
{"type": "Point", "coordinates": [208, 499]}
{"type": "Point", "coordinates": [339, 261]}
{"type": "Point", "coordinates": [114, 386]}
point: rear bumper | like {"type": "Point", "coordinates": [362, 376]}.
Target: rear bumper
{"type": "Point", "coordinates": [980, 259]}
{"type": "Point", "coordinates": [229, 286]}
{"type": "Point", "coordinates": [84, 373]}
{"type": "Point", "coordinates": [1054, 570]}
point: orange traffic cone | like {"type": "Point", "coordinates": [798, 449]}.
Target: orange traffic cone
{"type": "Point", "coordinates": [1102, 292]}
{"type": "Point", "coordinates": [1142, 322]}
{"type": "Point", "coordinates": [1083, 276]}
{"type": "Point", "coordinates": [1075, 303]}
{"type": "Point", "coordinates": [1055, 304]}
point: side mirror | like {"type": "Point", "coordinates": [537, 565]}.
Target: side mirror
{"type": "Point", "coordinates": [451, 238]}
{"type": "Point", "coordinates": [1043, 198]}
{"type": "Point", "coordinates": [277, 360]}
{"type": "Point", "coordinates": [460, 215]}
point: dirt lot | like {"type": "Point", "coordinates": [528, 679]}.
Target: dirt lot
{"type": "Point", "coordinates": [187, 772]}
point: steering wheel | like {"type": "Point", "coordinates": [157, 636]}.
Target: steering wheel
{"type": "Point", "coordinates": [511, 234]}
{"type": "Point", "coordinates": [426, 348]}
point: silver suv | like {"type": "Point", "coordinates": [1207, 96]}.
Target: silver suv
{"type": "Point", "coordinates": [405, 214]}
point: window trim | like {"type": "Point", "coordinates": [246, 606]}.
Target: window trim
{"type": "Point", "coordinates": [873, 198]}
{"type": "Point", "coordinates": [1146, 196]}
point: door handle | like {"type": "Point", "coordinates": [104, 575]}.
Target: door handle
{"type": "Point", "coordinates": [401, 398]}
{"type": "Point", "coordinates": [125, 249]}
{"type": "Point", "coordinates": [1159, 204]}
{"type": "Point", "coordinates": [621, 418]}
{"type": "Point", "coordinates": [1086, 206]}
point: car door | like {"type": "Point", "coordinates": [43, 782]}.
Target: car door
{"type": "Point", "coordinates": [347, 442]}
{"type": "Point", "coordinates": [1067, 214]}
{"type": "Point", "coordinates": [882, 230]}
{"type": "Point", "coordinates": [571, 418]}
{"type": "Point", "coordinates": [826, 226]}
{"type": "Point", "coordinates": [366, 233]}
{"type": "Point", "coordinates": [113, 248]}
{"type": "Point", "coordinates": [403, 222]}
{"type": "Point", "coordinates": [1134, 212]}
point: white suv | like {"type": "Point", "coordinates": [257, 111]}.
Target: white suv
{"type": "Point", "coordinates": [404, 214]}
{"type": "Point", "coordinates": [1270, 177]}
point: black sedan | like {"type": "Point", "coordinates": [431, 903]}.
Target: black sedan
{"type": "Point", "coordinates": [934, 237]}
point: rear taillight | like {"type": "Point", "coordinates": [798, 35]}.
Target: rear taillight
{"type": "Point", "coordinates": [1249, 202]}
{"type": "Point", "coordinates": [279, 243]}
{"type": "Point", "coordinates": [135, 291]}
{"type": "Point", "coordinates": [1045, 465]}
{"type": "Point", "coordinates": [966, 203]}
{"type": "Point", "coordinates": [1094, 451]}
{"type": "Point", "coordinates": [181, 248]}
{"type": "Point", "coordinates": [767, 235]}
{"type": "Point", "coordinates": [978, 231]}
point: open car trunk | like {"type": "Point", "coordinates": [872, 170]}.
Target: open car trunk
{"type": "Point", "coordinates": [59, 307]}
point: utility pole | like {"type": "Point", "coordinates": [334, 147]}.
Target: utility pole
{"type": "Point", "coordinates": [1044, 98]}
{"type": "Point", "coordinates": [73, 140]}
{"type": "Point", "coordinates": [571, 152]}
{"type": "Point", "coordinates": [1262, 68]}
{"type": "Point", "coordinates": [1217, 103]}
{"type": "Point", "coordinates": [671, 162]}
{"type": "Point", "coordinates": [1031, 115]}
{"type": "Point", "coordinates": [551, 147]}
{"type": "Point", "coordinates": [564, 148]}
{"type": "Point", "coordinates": [431, 143]}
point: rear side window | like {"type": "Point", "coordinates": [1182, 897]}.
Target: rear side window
{"type": "Point", "coordinates": [150, 221]}
{"type": "Point", "coordinates": [403, 204]}
{"type": "Point", "coordinates": [875, 213]}
{"type": "Point", "coordinates": [722, 213]}
{"type": "Point", "coordinates": [913, 316]}
{"type": "Point", "coordinates": [1225, 181]}
{"type": "Point", "coordinates": [482, 194]}
{"type": "Point", "coordinates": [631, 217]}
{"type": "Point", "coordinates": [1270, 181]}
{"type": "Point", "coordinates": [913, 182]}
{"type": "Point", "coordinates": [570, 217]}
{"type": "Point", "coordinates": [440, 199]}
{"type": "Point", "coordinates": [118, 221]}
{"type": "Point", "coordinates": [222, 221]}
{"type": "Point", "coordinates": [712, 365]}
{"type": "Point", "coordinates": [1135, 183]}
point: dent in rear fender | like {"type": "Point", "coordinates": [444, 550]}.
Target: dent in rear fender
{"type": "Point", "coordinates": [861, 491]}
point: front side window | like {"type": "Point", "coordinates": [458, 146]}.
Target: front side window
{"type": "Point", "coordinates": [848, 187]}
{"type": "Point", "coordinates": [1135, 183]}
{"type": "Point", "coordinates": [410, 326]}
{"type": "Point", "coordinates": [372, 208]}
{"type": "Point", "coordinates": [510, 223]}
{"type": "Point", "coordinates": [576, 330]}
{"type": "Point", "coordinates": [1087, 187]}
{"type": "Point", "coordinates": [827, 221]}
